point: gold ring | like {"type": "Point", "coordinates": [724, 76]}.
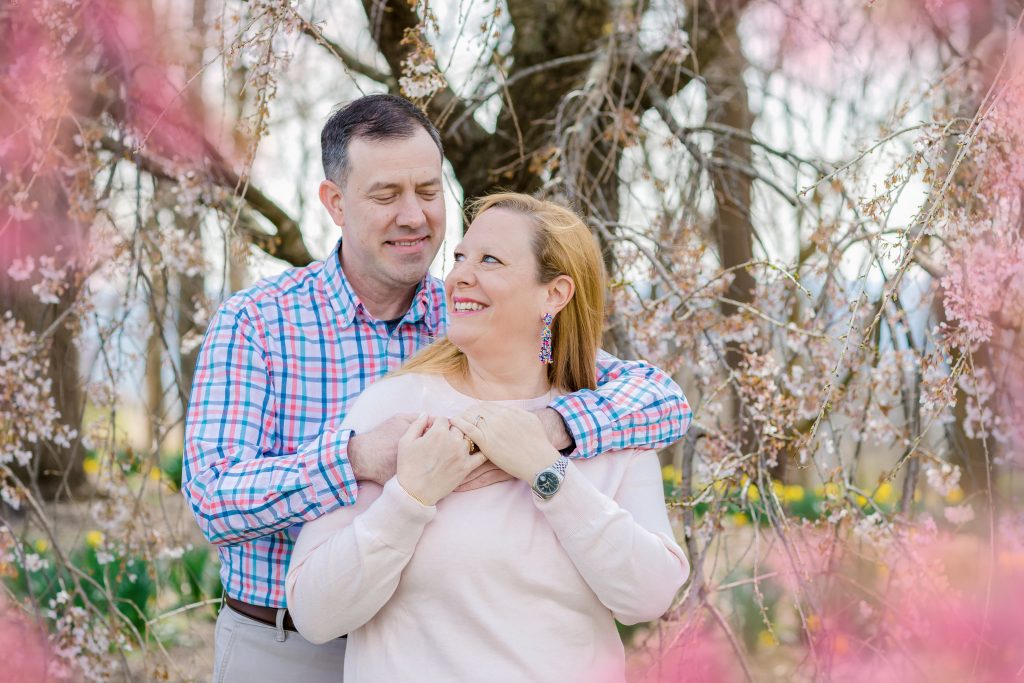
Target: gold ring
{"type": "Point", "coordinates": [473, 448]}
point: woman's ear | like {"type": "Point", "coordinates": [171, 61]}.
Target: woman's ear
{"type": "Point", "coordinates": [559, 293]}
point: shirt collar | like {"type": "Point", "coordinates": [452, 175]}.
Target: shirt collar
{"type": "Point", "coordinates": [338, 289]}
{"type": "Point", "coordinates": [428, 303]}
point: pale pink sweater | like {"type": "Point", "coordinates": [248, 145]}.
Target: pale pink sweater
{"type": "Point", "coordinates": [492, 584]}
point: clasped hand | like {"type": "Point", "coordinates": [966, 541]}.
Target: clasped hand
{"type": "Point", "coordinates": [433, 459]}
{"type": "Point", "coordinates": [431, 456]}
{"type": "Point", "coordinates": [512, 438]}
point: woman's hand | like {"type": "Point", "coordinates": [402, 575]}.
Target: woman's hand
{"type": "Point", "coordinates": [511, 438]}
{"type": "Point", "coordinates": [433, 459]}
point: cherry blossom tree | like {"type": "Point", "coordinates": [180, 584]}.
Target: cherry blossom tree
{"type": "Point", "coordinates": [810, 214]}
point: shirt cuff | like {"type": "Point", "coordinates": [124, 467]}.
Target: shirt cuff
{"type": "Point", "coordinates": [585, 426]}
{"type": "Point", "coordinates": [331, 478]}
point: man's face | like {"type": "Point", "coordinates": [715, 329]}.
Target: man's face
{"type": "Point", "coordinates": [391, 212]}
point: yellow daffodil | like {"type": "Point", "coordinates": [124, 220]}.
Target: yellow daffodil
{"type": "Point", "coordinates": [753, 494]}
{"type": "Point", "coordinates": [778, 488]}
{"type": "Point", "coordinates": [766, 639]}
{"type": "Point", "coordinates": [861, 500]}
{"type": "Point", "coordinates": [793, 493]}
{"type": "Point", "coordinates": [955, 496]}
{"type": "Point", "coordinates": [41, 545]}
{"type": "Point", "coordinates": [832, 490]}
{"type": "Point", "coordinates": [91, 466]}
{"type": "Point", "coordinates": [883, 494]}
{"type": "Point", "coordinates": [94, 539]}
{"type": "Point", "coordinates": [740, 519]}
{"type": "Point", "coordinates": [155, 474]}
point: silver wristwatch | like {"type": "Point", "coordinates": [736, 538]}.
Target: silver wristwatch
{"type": "Point", "coordinates": [547, 482]}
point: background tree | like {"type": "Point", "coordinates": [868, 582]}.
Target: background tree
{"type": "Point", "coordinates": [810, 214]}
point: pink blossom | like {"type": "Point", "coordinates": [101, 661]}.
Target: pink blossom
{"type": "Point", "coordinates": [976, 284]}
{"type": "Point", "coordinates": [960, 514]}
{"type": "Point", "coordinates": [21, 269]}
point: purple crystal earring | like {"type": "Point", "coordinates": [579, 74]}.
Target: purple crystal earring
{"type": "Point", "coordinates": [545, 341]}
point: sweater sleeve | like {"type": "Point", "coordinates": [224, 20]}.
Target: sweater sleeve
{"type": "Point", "coordinates": [346, 564]}
{"type": "Point", "coordinates": [622, 546]}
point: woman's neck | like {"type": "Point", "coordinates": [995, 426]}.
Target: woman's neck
{"type": "Point", "coordinates": [501, 377]}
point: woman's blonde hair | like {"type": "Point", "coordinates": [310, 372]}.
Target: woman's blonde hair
{"type": "Point", "coordinates": [563, 245]}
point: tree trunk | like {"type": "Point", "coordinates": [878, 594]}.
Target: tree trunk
{"type": "Point", "coordinates": [973, 455]}
{"type": "Point", "coordinates": [728, 105]}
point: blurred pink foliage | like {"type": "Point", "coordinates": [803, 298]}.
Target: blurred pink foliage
{"type": "Point", "coordinates": [156, 105]}
{"type": "Point", "coordinates": [70, 70]}
{"type": "Point", "coordinates": [940, 623]}
{"type": "Point", "coordinates": [900, 604]}
{"type": "Point", "coordinates": [694, 655]}
{"type": "Point", "coordinates": [27, 657]}
{"type": "Point", "coordinates": [982, 281]}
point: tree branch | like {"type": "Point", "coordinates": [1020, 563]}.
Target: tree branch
{"type": "Point", "coordinates": [389, 22]}
{"type": "Point", "coordinates": [348, 59]}
{"type": "Point", "coordinates": [287, 244]}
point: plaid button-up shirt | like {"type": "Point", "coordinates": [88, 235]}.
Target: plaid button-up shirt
{"type": "Point", "coordinates": [281, 364]}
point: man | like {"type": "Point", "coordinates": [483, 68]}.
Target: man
{"type": "Point", "coordinates": [284, 359]}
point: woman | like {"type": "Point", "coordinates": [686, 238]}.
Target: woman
{"type": "Point", "coordinates": [521, 580]}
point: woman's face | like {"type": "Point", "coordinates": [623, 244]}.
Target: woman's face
{"type": "Point", "coordinates": [495, 301]}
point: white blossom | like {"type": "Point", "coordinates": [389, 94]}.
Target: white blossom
{"type": "Point", "coordinates": [943, 478]}
{"type": "Point", "coordinates": [21, 269]}
{"type": "Point", "coordinates": [34, 563]}
{"type": "Point", "coordinates": [961, 514]}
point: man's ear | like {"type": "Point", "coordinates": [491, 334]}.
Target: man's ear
{"type": "Point", "coordinates": [330, 197]}
{"type": "Point", "coordinates": [560, 291]}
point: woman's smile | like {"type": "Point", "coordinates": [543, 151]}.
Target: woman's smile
{"type": "Point", "coordinates": [462, 306]}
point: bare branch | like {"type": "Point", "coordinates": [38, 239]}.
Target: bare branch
{"type": "Point", "coordinates": [287, 244]}
{"type": "Point", "coordinates": [351, 62]}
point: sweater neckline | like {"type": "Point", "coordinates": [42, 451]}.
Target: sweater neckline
{"type": "Point", "coordinates": [525, 403]}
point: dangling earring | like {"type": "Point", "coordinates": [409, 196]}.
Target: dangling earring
{"type": "Point", "coordinates": [545, 341]}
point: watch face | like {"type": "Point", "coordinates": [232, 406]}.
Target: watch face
{"type": "Point", "coordinates": [547, 483]}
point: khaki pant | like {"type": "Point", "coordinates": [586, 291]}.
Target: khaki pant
{"type": "Point", "coordinates": [249, 651]}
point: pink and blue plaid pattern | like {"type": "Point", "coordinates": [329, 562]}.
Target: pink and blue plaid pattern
{"type": "Point", "coordinates": [281, 364]}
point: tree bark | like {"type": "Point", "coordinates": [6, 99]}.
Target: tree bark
{"type": "Point", "coordinates": [728, 105]}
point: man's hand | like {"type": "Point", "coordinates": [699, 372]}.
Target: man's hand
{"type": "Point", "coordinates": [374, 454]}
{"type": "Point", "coordinates": [482, 476]}
{"type": "Point", "coordinates": [554, 427]}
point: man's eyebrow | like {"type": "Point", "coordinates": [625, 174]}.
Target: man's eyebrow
{"type": "Point", "coordinates": [378, 186]}
{"type": "Point", "coordinates": [383, 185]}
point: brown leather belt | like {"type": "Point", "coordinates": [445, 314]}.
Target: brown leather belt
{"type": "Point", "coordinates": [265, 615]}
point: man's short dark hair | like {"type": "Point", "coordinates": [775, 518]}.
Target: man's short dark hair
{"type": "Point", "coordinates": [374, 117]}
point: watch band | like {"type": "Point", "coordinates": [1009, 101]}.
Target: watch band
{"type": "Point", "coordinates": [562, 464]}
{"type": "Point", "coordinates": [548, 481]}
